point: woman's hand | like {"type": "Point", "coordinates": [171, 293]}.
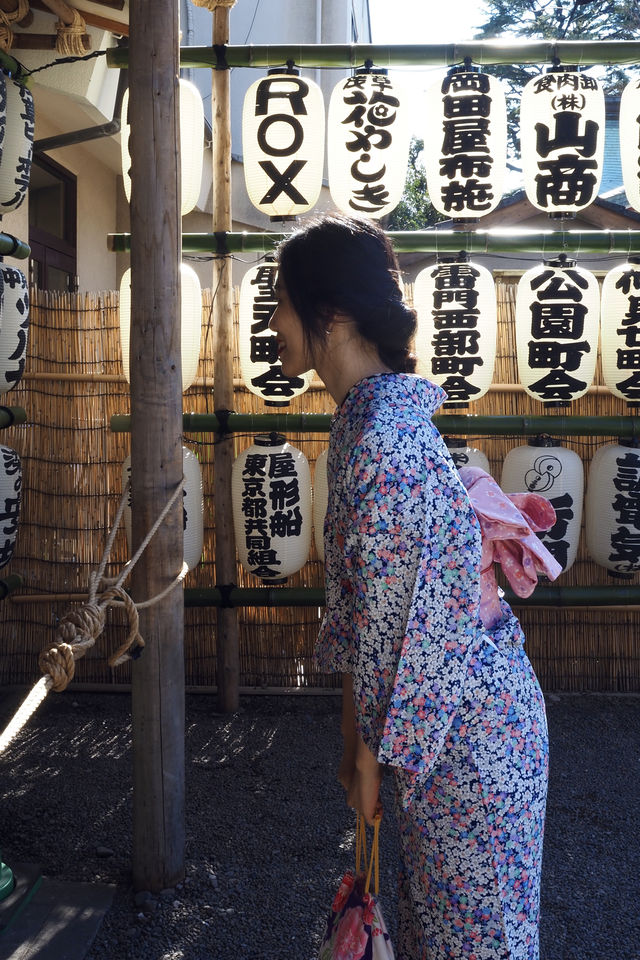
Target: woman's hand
{"type": "Point", "coordinates": [364, 790]}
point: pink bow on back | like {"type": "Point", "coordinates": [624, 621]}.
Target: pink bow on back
{"type": "Point", "coordinates": [508, 523]}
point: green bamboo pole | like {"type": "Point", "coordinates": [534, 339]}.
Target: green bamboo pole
{"type": "Point", "coordinates": [546, 243]}
{"type": "Point", "coordinates": [454, 424]}
{"type": "Point", "coordinates": [583, 52]}
{"type": "Point", "coordinates": [11, 415]}
{"type": "Point", "coordinates": [8, 63]}
{"type": "Point", "coordinates": [592, 596]}
{"type": "Point", "coordinates": [10, 246]}
{"type": "Point", "coordinates": [9, 584]}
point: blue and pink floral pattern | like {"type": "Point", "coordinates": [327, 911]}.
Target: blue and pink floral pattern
{"type": "Point", "coordinates": [453, 708]}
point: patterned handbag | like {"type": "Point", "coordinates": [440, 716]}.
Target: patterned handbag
{"type": "Point", "coordinates": [355, 927]}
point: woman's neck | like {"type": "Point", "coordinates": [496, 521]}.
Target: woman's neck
{"type": "Point", "coordinates": [346, 360]}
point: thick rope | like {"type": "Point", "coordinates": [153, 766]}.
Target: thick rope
{"type": "Point", "coordinates": [79, 629]}
{"type": "Point", "coordinates": [70, 35]}
{"type": "Point", "coordinates": [15, 16]}
{"type": "Point", "coordinates": [6, 37]}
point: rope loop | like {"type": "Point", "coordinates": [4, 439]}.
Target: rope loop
{"type": "Point", "coordinates": [70, 36]}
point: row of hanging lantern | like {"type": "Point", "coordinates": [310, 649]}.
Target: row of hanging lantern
{"type": "Point", "coordinates": [368, 130]}
{"type": "Point", "coordinates": [274, 507]}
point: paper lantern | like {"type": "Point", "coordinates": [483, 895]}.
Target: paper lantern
{"type": "Point", "coordinates": [283, 143]}
{"type": "Point", "coordinates": [271, 488]}
{"type": "Point", "coordinates": [613, 509]}
{"type": "Point", "coordinates": [557, 319]}
{"type": "Point", "coordinates": [10, 497]}
{"type": "Point", "coordinates": [465, 144]}
{"type": "Point", "coordinates": [14, 326]}
{"type": "Point", "coordinates": [191, 145]}
{"type": "Point", "coordinates": [320, 501]}
{"type": "Point", "coordinates": [555, 472]}
{"type": "Point", "coordinates": [465, 456]}
{"type": "Point", "coordinates": [192, 507]}
{"type": "Point", "coordinates": [620, 331]}
{"type": "Point", "coordinates": [191, 314]}
{"type": "Point", "coordinates": [259, 364]}
{"type": "Point", "coordinates": [368, 138]}
{"type": "Point", "coordinates": [456, 337]}
{"type": "Point", "coordinates": [17, 124]}
{"type": "Point", "coordinates": [562, 121]}
{"type": "Point", "coordinates": [630, 141]}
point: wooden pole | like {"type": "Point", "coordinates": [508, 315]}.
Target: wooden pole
{"type": "Point", "coordinates": [227, 646]}
{"type": "Point", "coordinates": [156, 443]}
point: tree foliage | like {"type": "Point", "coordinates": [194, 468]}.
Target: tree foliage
{"type": "Point", "coordinates": [415, 211]}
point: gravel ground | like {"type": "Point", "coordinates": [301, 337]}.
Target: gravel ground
{"type": "Point", "coordinates": [269, 836]}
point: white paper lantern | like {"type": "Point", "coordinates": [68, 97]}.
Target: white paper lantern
{"type": "Point", "coordinates": [320, 501]}
{"type": "Point", "coordinates": [191, 145]}
{"type": "Point", "coordinates": [283, 144]}
{"type": "Point", "coordinates": [271, 488]}
{"type": "Point", "coordinates": [10, 497]}
{"type": "Point", "coordinates": [620, 331]}
{"type": "Point", "coordinates": [192, 506]}
{"type": "Point", "coordinates": [191, 314]}
{"type": "Point", "coordinates": [557, 319]}
{"type": "Point", "coordinates": [14, 326]}
{"type": "Point", "coordinates": [562, 122]}
{"type": "Point", "coordinates": [556, 473]}
{"type": "Point", "coordinates": [613, 509]}
{"type": "Point", "coordinates": [465, 145]}
{"type": "Point", "coordinates": [456, 336]}
{"type": "Point", "coordinates": [630, 141]}
{"type": "Point", "coordinates": [259, 364]}
{"type": "Point", "coordinates": [17, 124]}
{"type": "Point", "coordinates": [368, 138]}
{"type": "Point", "coordinates": [465, 456]}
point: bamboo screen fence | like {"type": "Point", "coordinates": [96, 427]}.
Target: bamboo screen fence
{"type": "Point", "coordinates": [72, 483]}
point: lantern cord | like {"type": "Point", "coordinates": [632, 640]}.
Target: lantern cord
{"type": "Point", "coordinates": [79, 629]}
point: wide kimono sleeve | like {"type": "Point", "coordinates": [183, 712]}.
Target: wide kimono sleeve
{"type": "Point", "coordinates": [412, 550]}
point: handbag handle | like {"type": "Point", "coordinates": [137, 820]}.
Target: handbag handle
{"type": "Point", "coordinates": [371, 864]}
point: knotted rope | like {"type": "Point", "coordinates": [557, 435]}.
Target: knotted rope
{"type": "Point", "coordinates": [7, 35]}
{"type": "Point", "coordinates": [70, 35]}
{"type": "Point", "coordinates": [80, 628]}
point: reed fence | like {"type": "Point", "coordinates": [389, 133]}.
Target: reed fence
{"type": "Point", "coordinates": [72, 483]}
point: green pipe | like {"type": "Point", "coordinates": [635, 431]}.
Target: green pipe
{"type": "Point", "coordinates": [9, 584]}
{"type": "Point", "coordinates": [545, 243]}
{"type": "Point", "coordinates": [455, 424]}
{"type": "Point", "coordinates": [11, 415]}
{"type": "Point", "coordinates": [594, 596]}
{"type": "Point", "coordinates": [8, 63]}
{"type": "Point", "coordinates": [10, 246]}
{"type": "Point", "coordinates": [583, 52]}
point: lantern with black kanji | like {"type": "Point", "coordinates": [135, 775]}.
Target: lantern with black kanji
{"type": "Point", "coordinates": [456, 336]}
{"type": "Point", "coordinates": [17, 124]}
{"type": "Point", "coordinates": [544, 466]}
{"type": "Point", "coordinates": [562, 122]}
{"type": "Point", "coordinates": [630, 141]}
{"type": "Point", "coordinates": [620, 331]}
{"type": "Point", "coordinates": [283, 143]}
{"type": "Point", "coordinates": [368, 137]}
{"type": "Point", "coordinates": [613, 508]}
{"type": "Point", "coordinates": [465, 144]}
{"type": "Point", "coordinates": [14, 326]}
{"type": "Point", "coordinates": [320, 500]}
{"type": "Point", "coordinates": [271, 488]}
{"type": "Point", "coordinates": [192, 507]}
{"type": "Point", "coordinates": [10, 497]}
{"type": "Point", "coordinates": [557, 319]}
{"type": "Point", "coordinates": [191, 145]}
{"type": "Point", "coordinates": [465, 456]}
{"type": "Point", "coordinates": [258, 345]}
{"type": "Point", "coordinates": [191, 323]}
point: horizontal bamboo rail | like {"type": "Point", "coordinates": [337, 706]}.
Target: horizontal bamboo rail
{"type": "Point", "coordinates": [345, 55]}
{"type": "Point", "coordinates": [548, 243]}
{"type": "Point", "coordinates": [10, 246]}
{"type": "Point", "coordinates": [469, 425]}
{"type": "Point", "coordinates": [10, 583]}
{"type": "Point", "coordinates": [11, 415]}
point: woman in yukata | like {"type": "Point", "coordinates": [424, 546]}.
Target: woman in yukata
{"type": "Point", "coordinates": [436, 684]}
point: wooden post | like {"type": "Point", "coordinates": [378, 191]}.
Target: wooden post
{"type": "Point", "coordinates": [156, 442]}
{"type": "Point", "coordinates": [228, 660]}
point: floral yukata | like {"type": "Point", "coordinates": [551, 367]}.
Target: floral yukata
{"type": "Point", "coordinates": [450, 703]}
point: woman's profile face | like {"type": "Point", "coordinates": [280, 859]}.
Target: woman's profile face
{"type": "Point", "coordinates": [292, 346]}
